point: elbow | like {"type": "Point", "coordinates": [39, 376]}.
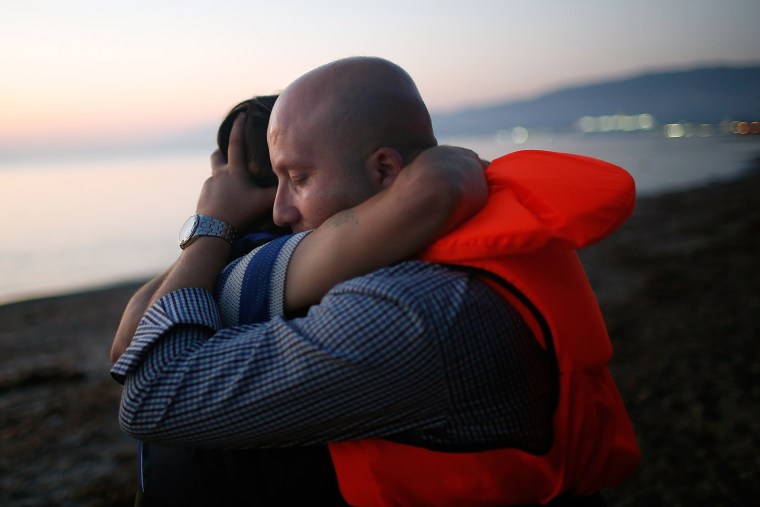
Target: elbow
{"type": "Point", "coordinates": [133, 419]}
{"type": "Point", "coordinates": [136, 428]}
{"type": "Point", "coordinates": [129, 424]}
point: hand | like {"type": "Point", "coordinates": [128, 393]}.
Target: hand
{"type": "Point", "coordinates": [230, 193]}
{"type": "Point", "coordinates": [449, 156]}
{"type": "Point", "coordinates": [454, 172]}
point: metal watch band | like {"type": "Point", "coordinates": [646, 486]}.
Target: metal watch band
{"type": "Point", "coordinates": [209, 226]}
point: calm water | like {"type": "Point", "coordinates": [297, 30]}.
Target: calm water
{"type": "Point", "coordinates": [77, 224]}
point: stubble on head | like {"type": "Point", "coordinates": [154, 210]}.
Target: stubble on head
{"type": "Point", "coordinates": [334, 118]}
{"type": "Point", "coordinates": [354, 106]}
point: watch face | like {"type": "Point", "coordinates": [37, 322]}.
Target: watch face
{"type": "Point", "coordinates": [188, 229]}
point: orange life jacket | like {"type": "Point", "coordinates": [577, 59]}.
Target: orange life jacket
{"type": "Point", "coordinates": [526, 236]}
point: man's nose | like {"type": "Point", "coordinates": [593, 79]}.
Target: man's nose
{"type": "Point", "coordinates": [284, 213]}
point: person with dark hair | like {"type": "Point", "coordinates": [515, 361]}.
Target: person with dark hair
{"type": "Point", "coordinates": [255, 149]}
{"type": "Point", "coordinates": [193, 476]}
{"type": "Point", "coordinates": [255, 152]}
{"type": "Point", "coordinates": [479, 378]}
{"type": "Point", "coordinates": [196, 476]}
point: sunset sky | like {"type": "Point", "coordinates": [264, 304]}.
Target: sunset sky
{"type": "Point", "coordinates": [79, 72]}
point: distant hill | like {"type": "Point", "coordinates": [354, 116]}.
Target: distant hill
{"type": "Point", "coordinates": [707, 95]}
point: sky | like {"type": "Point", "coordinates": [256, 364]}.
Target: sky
{"type": "Point", "coordinates": [82, 72]}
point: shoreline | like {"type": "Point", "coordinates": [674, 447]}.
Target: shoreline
{"type": "Point", "coordinates": [105, 289]}
{"type": "Point", "coordinates": [678, 286]}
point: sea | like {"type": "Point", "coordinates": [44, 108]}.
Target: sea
{"type": "Point", "coordinates": [78, 222]}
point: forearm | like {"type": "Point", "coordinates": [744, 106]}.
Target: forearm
{"type": "Point", "coordinates": [439, 190]}
{"type": "Point", "coordinates": [134, 311]}
{"type": "Point", "coordinates": [198, 267]}
{"type": "Point", "coordinates": [190, 383]}
{"type": "Point", "coordinates": [229, 195]}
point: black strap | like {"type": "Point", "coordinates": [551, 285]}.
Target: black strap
{"type": "Point", "coordinates": [528, 304]}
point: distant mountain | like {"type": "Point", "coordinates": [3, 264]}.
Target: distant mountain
{"type": "Point", "coordinates": [707, 95]}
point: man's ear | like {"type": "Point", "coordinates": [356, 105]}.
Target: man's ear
{"type": "Point", "coordinates": [384, 165]}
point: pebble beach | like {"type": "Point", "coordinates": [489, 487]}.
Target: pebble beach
{"type": "Point", "coordinates": [680, 291]}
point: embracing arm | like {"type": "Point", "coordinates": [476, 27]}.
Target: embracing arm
{"type": "Point", "coordinates": [230, 195]}
{"type": "Point", "coordinates": [136, 308]}
{"type": "Point", "coordinates": [439, 190]}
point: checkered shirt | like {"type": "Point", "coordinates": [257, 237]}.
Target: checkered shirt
{"type": "Point", "coordinates": [417, 352]}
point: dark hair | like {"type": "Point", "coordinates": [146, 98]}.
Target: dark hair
{"type": "Point", "coordinates": [258, 110]}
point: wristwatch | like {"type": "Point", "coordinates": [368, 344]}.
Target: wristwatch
{"type": "Point", "coordinates": [202, 225]}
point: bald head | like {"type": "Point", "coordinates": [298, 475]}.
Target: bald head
{"type": "Point", "coordinates": [353, 106]}
{"type": "Point", "coordinates": [340, 134]}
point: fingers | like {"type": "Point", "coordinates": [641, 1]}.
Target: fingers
{"type": "Point", "coordinates": [469, 153]}
{"type": "Point", "coordinates": [235, 150]}
{"type": "Point", "coordinates": [235, 161]}
{"type": "Point", "coordinates": [217, 161]}
{"type": "Point", "coordinates": [465, 152]}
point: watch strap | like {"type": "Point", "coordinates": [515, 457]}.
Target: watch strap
{"type": "Point", "coordinates": [209, 226]}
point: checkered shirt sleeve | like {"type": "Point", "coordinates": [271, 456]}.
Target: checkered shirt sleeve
{"type": "Point", "coordinates": [408, 350]}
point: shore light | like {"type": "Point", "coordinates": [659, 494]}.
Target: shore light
{"type": "Point", "coordinates": [615, 123]}
{"type": "Point", "coordinates": [674, 130]}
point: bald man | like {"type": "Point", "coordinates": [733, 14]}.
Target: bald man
{"type": "Point", "coordinates": [416, 352]}
{"type": "Point", "coordinates": [344, 130]}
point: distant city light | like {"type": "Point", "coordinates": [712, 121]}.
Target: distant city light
{"type": "Point", "coordinates": [519, 135]}
{"type": "Point", "coordinates": [675, 130]}
{"type": "Point", "coordinates": [646, 121]}
{"type": "Point", "coordinates": [515, 135]}
{"type": "Point", "coordinates": [587, 124]}
{"type": "Point", "coordinates": [616, 123]}
{"type": "Point", "coordinates": [708, 129]}
{"type": "Point", "coordinates": [637, 123]}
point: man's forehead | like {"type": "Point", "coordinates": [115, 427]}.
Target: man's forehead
{"type": "Point", "coordinates": [281, 132]}
{"type": "Point", "coordinates": [288, 150]}
{"type": "Point", "coordinates": [303, 129]}
{"type": "Point", "coordinates": [288, 123]}
{"type": "Point", "coordinates": [274, 129]}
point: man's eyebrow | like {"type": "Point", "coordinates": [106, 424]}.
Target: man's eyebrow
{"type": "Point", "coordinates": [288, 164]}
{"type": "Point", "coordinates": [280, 161]}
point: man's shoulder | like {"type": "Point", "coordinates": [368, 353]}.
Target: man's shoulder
{"type": "Point", "coordinates": [430, 283]}
{"type": "Point", "coordinates": [413, 272]}
{"type": "Point", "coordinates": [412, 281]}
